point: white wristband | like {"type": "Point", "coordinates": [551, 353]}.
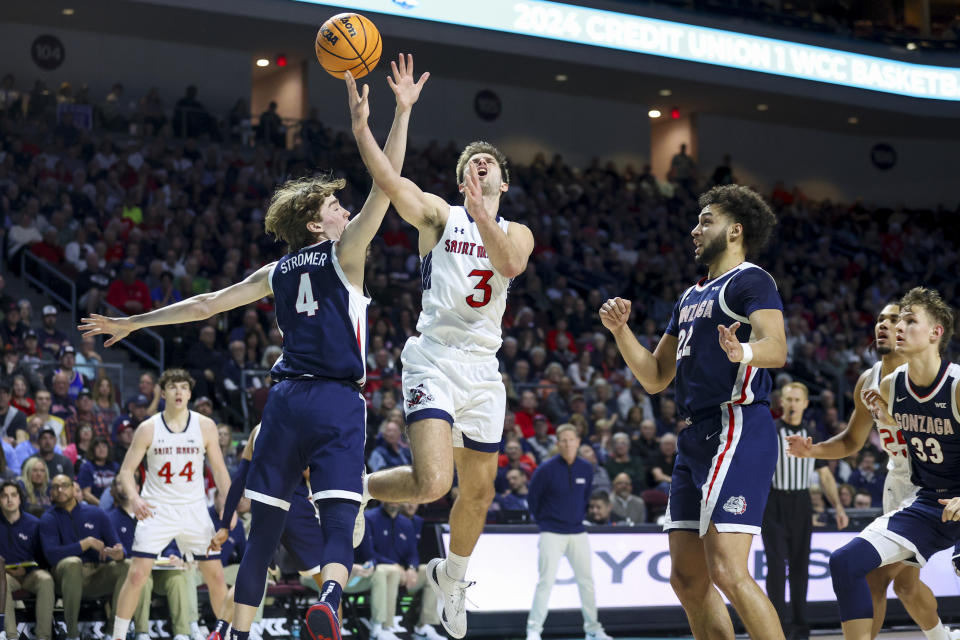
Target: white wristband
{"type": "Point", "coordinates": [747, 353]}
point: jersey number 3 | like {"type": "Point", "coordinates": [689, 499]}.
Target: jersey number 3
{"type": "Point", "coordinates": [167, 474]}
{"type": "Point", "coordinates": [482, 286]}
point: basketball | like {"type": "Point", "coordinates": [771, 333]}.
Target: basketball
{"type": "Point", "coordinates": [348, 42]}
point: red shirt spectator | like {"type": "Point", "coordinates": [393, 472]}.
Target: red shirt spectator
{"type": "Point", "coordinates": [129, 294]}
{"type": "Point", "coordinates": [48, 249]}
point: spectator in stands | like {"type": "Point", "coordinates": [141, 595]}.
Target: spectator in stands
{"type": "Point", "coordinates": [57, 464]}
{"type": "Point", "coordinates": [152, 112]}
{"type": "Point", "coordinates": [147, 386]}
{"type": "Point", "coordinates": [86, 415]}
{"type": "Point", "coordinates": [92, 283]}
{"type": "Point", "coordinates": [866, 478]}
{"type": "Point", "coordinates": [581, 372]}
{"type": "Point", "coordinates": [227, 448]}
{"type": "Point", "coordinates": [620, 461]}
{"type": "Point", "coordinates": [49, 248]}
{"type": "Point", "coordinates": [22, 234]}
{"type": "Point", "coordinates": [513, 457]}
{"type": "Point", "coordinates": [528, 409]}
{"type": "Point", "coordinates": [603, 394]}
{"type": "Point", "coordinates": [20, 398]}
{"type": "Point", "coordinates": [390, 451]}
{"type": "Point", "coordinates": [846, 493]}
{"type": "Point", "coordinates": [82, 448]}
{"type": "Point", "coordinates": [20, 550]}
{"type": "Point", "coordinates": [124, 437]}
{"type": "Point", "coordinates": [138, 407]}
{"type": "Point", "coordinates": [97, 473]}
{"type": "Point", "coordinates": [12, 330]}
{"type": "Point", "coordinates": [105, 401]}
{"type": "Point", "coordinates": [601, 479]}
{"type": "Point", "coordinates": [668, 416]}
{"type": "Point", "coordinates": [165, 292]}
{"type": "Point", "coordinates": [557, 404]}
{"type": "Point", "coordinates": [542, 443]}
{"type": "Point", "coordinates": [600, 510]}
{"type": "Point", "coordinates": [11, 418]}
{"type": "Point", "coordinates": [395, 547]}
{"type": "Point", "coordinates": [626, 505]}
{"type": "Point", "coordinates": [863, 500]}
{"type": "Point", "coordinates": [75, 380]}
{"type": "Point", "coordinates": [16, 365]}
{"type": "Point", "coordinates": [35, 482]}
{"type": "Point", "coordinates": [682, 170]}
{"type": "Point", "coordinates": [30, 444]}
{"type": "Point", "coordinates": [558, 498]}
{"type": "Point", "coordinates": [190, 117]}
{"type": "Point", "coordinates": [44, 402]}
{"type": "Point", "coordinates": [515, 498]}
{"type": "Point", "coordinates": [203, 361]}
{"type": "Point", "coordinates": [11, 105]}
{"type": "Point", "coordinates": [128, 293]}
{"type": "Point", "coordinates": [9, 463]}
{"type": "Point", "coordinates": [271, 127]}
{"type": "Point", "coordinates": [661, 463]}
{"type": "Point", "coordinates": [88, 360]}
{"type": "Point", "coordinates": [645, 443]}
{"type": "Point", "coordinates": [80, 544]}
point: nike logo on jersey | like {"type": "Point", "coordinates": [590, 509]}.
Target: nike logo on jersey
{"type": "Point", "coordinates": [901, 399]}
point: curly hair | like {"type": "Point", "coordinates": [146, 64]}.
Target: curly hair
{"type": "Point", "coordinates": [931, 301]}
{"type": "Point", "coordinates": [481, 146]}
{"type": "Point", "coordinates": [294, 204]}
{"type": "Point", "coordinates": [746, 207]}
{"type": "Point", "coordinates": [176, 375]}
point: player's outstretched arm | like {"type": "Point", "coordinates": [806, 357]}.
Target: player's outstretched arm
{"type": "Point", "coordinates": [198, 307]}
{"type": "Point", "coordinates": [770, 349]}
{"type": "Point", "coordinates": [653, 370]}
{"type": "Point", "coordinates": [845, 443]}
{"type": "Point", "coordinates": [142, 438]}
{"type": "Point", "coordinates": [508, 251]}
{"type": "Point", "coordinates": [422, 210]}
{"type": "Point", "coordinates": [214, 456]}
{"type": "Point", "coordinates": [352, 251]}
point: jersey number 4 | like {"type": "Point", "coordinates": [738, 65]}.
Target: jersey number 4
{"type": "Point", "coordinates": [482, 286]}
{"type": "Point", "coordinates": [167, 474]}
{"type": "Point", "coordinates": [305, 300]}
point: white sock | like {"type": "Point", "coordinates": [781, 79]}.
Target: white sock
{"type": "Point", "coordinates": [456, 566]}
{"type": "Point", "coordinates": [194, 627]}
{"type": "Point", "coordinates": [376, 629]}
{"type": "Point", "coordinates": [120, 627]}
{"type": "Point", "coordinates": [366, 488]}
{"type": "Point", "coordinates": [939, 632]}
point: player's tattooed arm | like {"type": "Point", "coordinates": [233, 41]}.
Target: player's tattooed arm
{"type": "Point", "coordinates": [199, 307]}
{"type": "Point", "coordinates": [845, 443]}
{"type": "Point", "coordinates": [655, 371]}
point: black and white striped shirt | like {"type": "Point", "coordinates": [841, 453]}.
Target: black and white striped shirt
{"type": "Point", "coordinates": [793, 474]}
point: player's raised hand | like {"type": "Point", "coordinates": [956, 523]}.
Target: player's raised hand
{"type": "Point", "coordinates": [402, 83]}
{"type": "Point", "coordinates": [874, 401]}
{"type": "Point", "coordinates": [97, 325]}
{"type": "Point", "coordinates": [474, 193]}
{"type": "Point", "coordinates": [614, 313]}
{"type": "Point", "coordinates": [800, 447]}
{"type": "Point", "coordinates": [218, 539]}
{"type": "Point", "coordinates": [359, 105]}
{"type": "Point", "coordinates": [951, 509]}
{"type": "Point", "coordinates": [729, 342]}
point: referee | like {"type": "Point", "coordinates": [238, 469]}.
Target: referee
{"type": "Point", "coordinates": [788, 519]}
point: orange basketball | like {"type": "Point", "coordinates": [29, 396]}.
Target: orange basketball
{"type": "Point", "coordinates": [348, 42]}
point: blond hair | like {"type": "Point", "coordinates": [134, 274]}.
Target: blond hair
{"type": "Point", "coordinates": [25, 472]}
{"type": "Point", "coordinates": [797, 385]}
{"type": "Point", "coordinates": [294, 204]}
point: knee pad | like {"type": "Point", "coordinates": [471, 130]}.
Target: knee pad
{"type": "Point", "coordinates": [337, 518]}
{"type": "Point", "coordinates": [267, 524]}
{"type": "Point", "coordinates": [849, 567]}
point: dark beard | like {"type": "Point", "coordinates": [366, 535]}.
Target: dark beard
{"type": "Point", "coordinates": [883, 351]}
{"type": "Point", "coordinates": [712, 250]}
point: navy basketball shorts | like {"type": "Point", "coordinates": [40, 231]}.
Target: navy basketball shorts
{"type": "Point", "coordinates": [724, 467]}
{"type": "Point", "coordinates": [302, 536]}
{"type": "Point", "coordinates": [315, 424]}
{"type": "Point", "coordinates": [917, 529]}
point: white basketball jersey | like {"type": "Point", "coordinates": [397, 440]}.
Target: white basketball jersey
{"type": "Point", "coordinates": [898, 457]}
{"type": "Point", "coordinates": [174, 463]}
{"type": "Point", "coordinates": [463, 295]}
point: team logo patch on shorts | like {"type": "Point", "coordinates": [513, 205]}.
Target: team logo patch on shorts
{"type": "Point", "coordinates": [735, 505]}
{"type": "Point", "coordinates": [417, 395]}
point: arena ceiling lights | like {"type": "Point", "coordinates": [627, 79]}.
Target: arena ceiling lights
{"type": "Point", "coordinates": [625, 32]}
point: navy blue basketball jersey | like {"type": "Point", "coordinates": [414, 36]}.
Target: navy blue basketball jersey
{"type": "Point", "coordinates": [322, 317]}
{"type": "Point", "coordinates": [930, 424]}
{"type": "Point", "coordinates": [706, 379]}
